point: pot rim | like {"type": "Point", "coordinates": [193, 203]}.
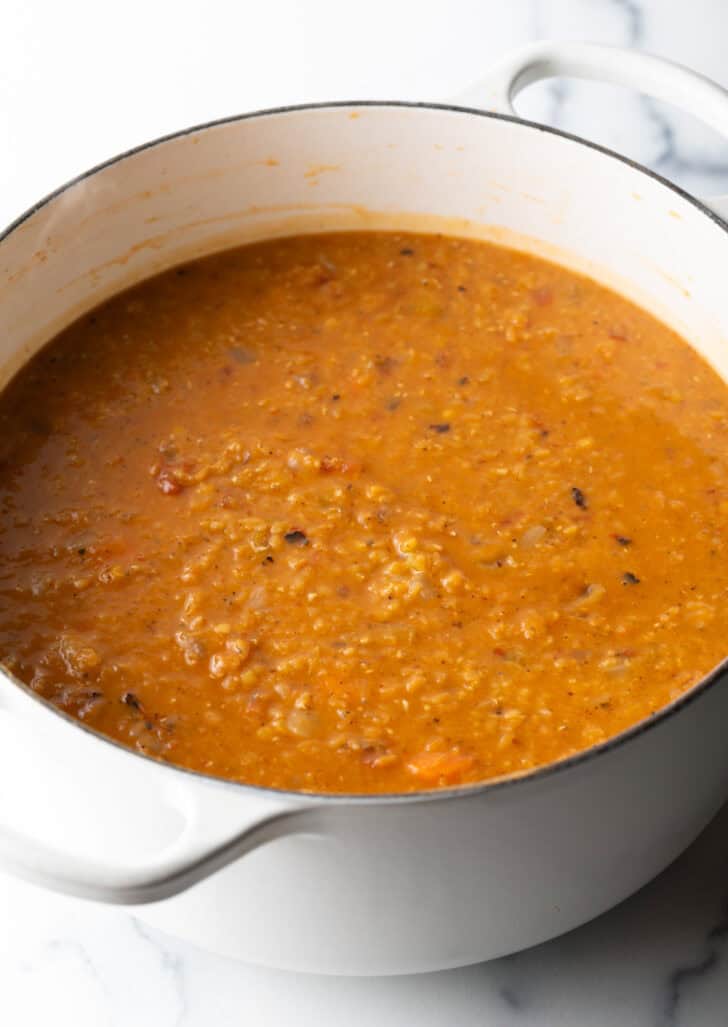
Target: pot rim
{"type": "Point", "coordinates": [525, 777]}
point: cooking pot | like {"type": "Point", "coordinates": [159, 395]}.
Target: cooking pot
{"type": "Point", "coordinates": [394, 883]}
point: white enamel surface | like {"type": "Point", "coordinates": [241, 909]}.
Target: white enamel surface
{"type": "Point", "coordinates": [658, 78]}
{"type": "Point", "coordinates": [95, 824]}
{"type": "Point", "coordinates": [381, 888]}
{"type": "Point", "coordinates": [322, 168]}
{"type": "Point", "coordinates": [389, 889]}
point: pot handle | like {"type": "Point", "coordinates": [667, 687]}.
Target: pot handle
{"type": "Point", "coordinates": [215, 831]}
{"type": "Point", "coordinates": [656, 76]}
{"type": "Point", "coordinates": [184, 863]}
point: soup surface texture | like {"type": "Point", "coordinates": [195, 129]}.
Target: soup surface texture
{"type": "Point", "coordinates": [364, 512]}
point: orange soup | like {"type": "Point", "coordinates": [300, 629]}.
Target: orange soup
{"type": "Point", "coordinates": [363, 512]}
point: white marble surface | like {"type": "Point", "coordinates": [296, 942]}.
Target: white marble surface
{"type": "Point", "coordinates": [80, 81]}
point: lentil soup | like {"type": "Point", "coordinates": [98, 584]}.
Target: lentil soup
{"type": "Point", "coordinates": [363, 512]}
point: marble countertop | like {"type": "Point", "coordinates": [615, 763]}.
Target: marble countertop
{"type": "Point", "coordinates": [70, 99]}
{"type": "Point", "coordinates": [658, 960]}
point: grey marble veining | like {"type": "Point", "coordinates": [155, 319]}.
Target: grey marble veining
{"type": "Point", "coordinates": [660, 959]}
{"type": "Point", "coordinates": [673, 143]}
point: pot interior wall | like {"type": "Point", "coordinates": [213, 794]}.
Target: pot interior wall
{"type": "Point", "coordinates": [363, 167]}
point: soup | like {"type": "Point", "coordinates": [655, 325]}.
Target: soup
{"type": "Point", "coordinates": [363, 512]}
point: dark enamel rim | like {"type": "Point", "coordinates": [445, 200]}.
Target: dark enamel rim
{"type": "Point", "coordinates": [440, 794]}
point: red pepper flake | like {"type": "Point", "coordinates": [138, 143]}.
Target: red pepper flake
{"type": "Point", "coordinates": [169, 484]}
{"type": "Point", "coordinates": [296, 538]}
{"type": "Point", "coordinates": [628, 578]}
{"type": "Point", "coordinates": [542, 296]}
{"type": "Point", "coordinates": [618, 333]}
{"type": "Point", "coordinates": [385, 365]}
{"type": "Point", "coordinates": [335, 465]}
{"type": "Point", "coordinates": [441, 429]}
{"type": "Point", "coordinates": [168, 477]}
{"type": "Point", "coordinates": [579, 498]}
{"type": "Point", "coordinates": [372, 754]}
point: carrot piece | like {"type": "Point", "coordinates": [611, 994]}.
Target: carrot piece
{"type": "Point", "coordinates": [434, 766]}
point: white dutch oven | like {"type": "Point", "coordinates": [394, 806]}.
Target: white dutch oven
{"type": "Point", "coordinates": [392, 884]}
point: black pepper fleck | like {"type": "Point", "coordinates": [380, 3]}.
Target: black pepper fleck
{"type": "Point", "coordinates": [630, 579]}
{"type": "Point", "coordinates": [579, 498]}
{"type": "Point", "coordinates": [242, 355]}
{"type": "Point", "coordinates": [296, 538]}
{"type": "Point", "coordinates": [441, 429]}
